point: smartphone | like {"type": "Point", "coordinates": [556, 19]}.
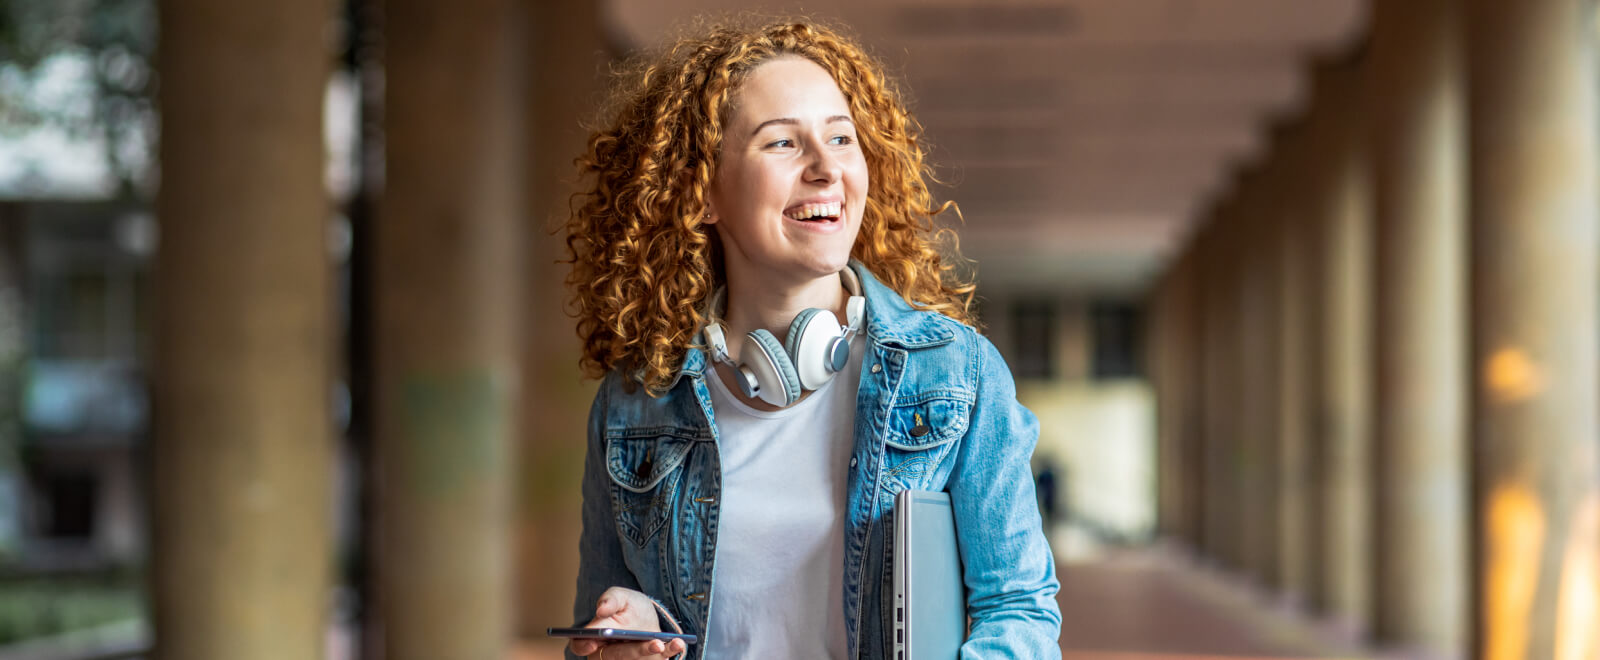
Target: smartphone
{"type": "Point", "coordinates": [617, 635]}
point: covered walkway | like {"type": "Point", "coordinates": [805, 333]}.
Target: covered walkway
{"type": "Point", "coordinates": [1305, 293]}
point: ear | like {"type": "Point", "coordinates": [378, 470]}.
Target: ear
{"type": "Point", "coordinates": [709, 216]}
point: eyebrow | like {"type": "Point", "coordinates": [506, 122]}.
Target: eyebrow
{"type": "Point", "coordinates": [791, 121]}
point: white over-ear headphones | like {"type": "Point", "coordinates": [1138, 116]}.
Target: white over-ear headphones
{"type": "Point", "coordinates": [816, 347]}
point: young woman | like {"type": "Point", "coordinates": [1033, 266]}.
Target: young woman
{"type": "Point", "coordinates": [783, 350]}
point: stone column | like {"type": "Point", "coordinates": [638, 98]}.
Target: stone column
{"type": "Point", "coordinates": [1419, 404]}
{"type": "Point", "coordinates": [1533, 273]}
{"type": "Point", "coordinates": [1175, 350]}
{"type": "Point", "coordinates": [1186, 362]}
{"type": "Point", "coordinates": [1344, 411]}
{"type": "Point", "coordinates": [1158, 356]}
{"type": "Point", "coordinates": [1194, 413]}
{"type": "Point", "coordinates": [243, 434]}
{"type": "Point", "coordinates": [1297, 539]}
{"type": "Point", "coordinates": [448, 244]}
{"type": "Point", "coordinates": [570, 57]}
{"type": "Point", "coordinates": [1234, 432]}
{"type": "Point", "coordinates": [1222, 445]}
{"type": "Point", "coordinates": [1261, 357]}
{"type": "Point", "coordinates": [1215, 448]}
{"type": "Point", "coordinates": [1255, 456]}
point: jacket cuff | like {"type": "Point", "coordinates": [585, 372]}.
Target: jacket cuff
{"type": "Point", "coordinates": [667, 616]}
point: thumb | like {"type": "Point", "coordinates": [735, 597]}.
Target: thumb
{"type": "Point", "coordinates": [609, 606]}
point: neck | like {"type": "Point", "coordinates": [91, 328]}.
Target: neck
{"type": "Point", "coordinates": [755, 305]}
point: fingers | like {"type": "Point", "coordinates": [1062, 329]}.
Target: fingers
{"type": "Point", "coordinates": [624, 608]}
{"type": "Point", "coordinates": [652, 650]}
{"type": "Point", "coordinates": [611, 604]}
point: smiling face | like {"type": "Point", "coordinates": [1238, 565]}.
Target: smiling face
{"type": "Point", "coordinates": [791, 181]}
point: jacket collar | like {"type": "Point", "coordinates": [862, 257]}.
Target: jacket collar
{"type": "Point", "coordinates": [890, 322]}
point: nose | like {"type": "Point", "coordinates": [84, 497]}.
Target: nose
{"type": "Point", "coordinates": [824, 166]}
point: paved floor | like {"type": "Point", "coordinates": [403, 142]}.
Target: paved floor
{"type": "Point", "coordinates": [1146, 603]}
{"type": "Point", "coordinates": [1154, 603]}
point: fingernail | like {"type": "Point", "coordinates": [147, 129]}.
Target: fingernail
{"type": "Point", "coordinates": [655, 647]}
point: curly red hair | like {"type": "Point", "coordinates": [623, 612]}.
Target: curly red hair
{"type": "Point", "coordinates": [643, 265]}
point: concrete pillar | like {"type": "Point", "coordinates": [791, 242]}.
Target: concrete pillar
{"type": "Point", "coordinates": [1252, 358]}
{"type": "Point", "coordinates": [1419, 404]}
{"type": "Point", "coordinates": [448, 245]}
{"type": "Point", "coordinates": [242, 464]}
{"type": "Point", "coordinates": [1344, 410]}
{"type": "Point", "coordinates": [1221, 438]}
{"type": "Point", "coordinates": [1296, 516]}
{"type": "Point", "coordinates": [1186, 360]}
{"type": "Point", "coordinates": [1235, 372]}
{"type": "Point", "coordinates": [1216, 477]}
{"type": "Point", "coordinates": [569, 57]}
{"type": "Point", "coordinates": [1170, 359]}
{"type": "Point", "coordinates": [1231, 449]}
{"type": "Point", "coordinates": [1533, 273]}
{"type": "Point", "coordinates": [1173, 350]}
{"type": "Point", "coordinates": [1157, 351]}
{"type": "Point", "coordinates": [1260, 357]}
{"type": "Point", "coordinates": [1192, 459]}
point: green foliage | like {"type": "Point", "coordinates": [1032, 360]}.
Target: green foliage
{"type": "Point", "coordinates": [115, 40]}
{"type": "Point", "coordinates": [47, 606]}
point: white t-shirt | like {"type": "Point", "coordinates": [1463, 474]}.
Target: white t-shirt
{"type": "Point", "coordinates": [778, 584]}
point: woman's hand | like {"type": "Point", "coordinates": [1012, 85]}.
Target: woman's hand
{"type": "Point", "coordinates": [629, 610]}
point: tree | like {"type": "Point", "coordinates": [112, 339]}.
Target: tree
{"type": "Point", "coordinates": [84, 67]}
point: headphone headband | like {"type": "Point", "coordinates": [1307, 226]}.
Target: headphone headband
{"type": "Point", "coordinates": [782, 371]}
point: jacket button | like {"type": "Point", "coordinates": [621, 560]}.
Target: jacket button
{"type": "Point", "coordinates": [852, 461]}
{"type": "Point", "coordinates": [877, 368]}
{"type": "Point", "coordinates": [919, 431]}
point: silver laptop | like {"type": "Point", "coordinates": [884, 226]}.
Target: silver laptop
{"type": "Point", "coordinates": [930, 604]}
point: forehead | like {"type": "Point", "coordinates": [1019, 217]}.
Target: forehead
{"type": "Point", "coordinates": [790, 86]}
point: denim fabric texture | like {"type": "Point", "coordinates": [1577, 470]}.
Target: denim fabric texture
{"type": "Point", "coordinates": [651, 487]}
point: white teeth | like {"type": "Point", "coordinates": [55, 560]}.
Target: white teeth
{"type": "Point", "coordinates": [829, 209]}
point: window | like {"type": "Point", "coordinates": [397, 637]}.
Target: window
{"type": "Point", "coordinates": [1033, 332]}
{"type": "Point", "coordinates": [1116, 328]}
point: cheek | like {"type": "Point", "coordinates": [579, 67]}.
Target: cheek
{"type": "Point", "coordinates": [856, 175]}
{"type": "Point", "coordinates": [862, 185]}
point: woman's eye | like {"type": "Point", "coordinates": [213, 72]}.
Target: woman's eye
{"type": "Point", "coordinates": [786, 142]}
{"type": "Point", "coordinates": [842, 140]}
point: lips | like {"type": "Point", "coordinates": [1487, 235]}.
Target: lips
{"type": "Point", "coordinates": [815, 211]}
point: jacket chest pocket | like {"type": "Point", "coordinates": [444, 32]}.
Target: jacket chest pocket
{"type": "Point", "coordinates": [645, 472]}
{"type": "Point", "coordinates": [921, 432]}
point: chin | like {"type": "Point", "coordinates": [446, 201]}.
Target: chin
{"type": "Point", "coordinates": [833, 264]}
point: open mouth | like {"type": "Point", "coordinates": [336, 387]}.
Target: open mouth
{"type": "Point", "coordinates": [823, 212]}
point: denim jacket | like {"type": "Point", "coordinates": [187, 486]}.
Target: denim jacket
{"type": "Point", "coordinates": [652, 487]}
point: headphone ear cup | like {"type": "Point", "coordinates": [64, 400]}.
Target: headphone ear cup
{"type": "Point", "coordinates": [810, 335]}
{"type": "Point", "coordinates": [780, 386]}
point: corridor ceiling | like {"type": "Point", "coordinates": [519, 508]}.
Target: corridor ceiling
{"type": "Point", "coordinates": [1081, 138]}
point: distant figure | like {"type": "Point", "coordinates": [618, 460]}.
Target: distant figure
{"type": "Point", "coordinates": [1045, 485]}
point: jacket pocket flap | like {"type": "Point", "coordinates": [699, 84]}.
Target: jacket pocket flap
{"type": "Point", "coordinates": [928, 423]}
{"type": "Point", "coordinates": [638, 463]}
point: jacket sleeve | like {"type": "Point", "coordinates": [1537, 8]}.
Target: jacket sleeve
{"type": "Point", "coordinates": [1008, 568]}
{"type": "Point", "coordinates": [600, 562]}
